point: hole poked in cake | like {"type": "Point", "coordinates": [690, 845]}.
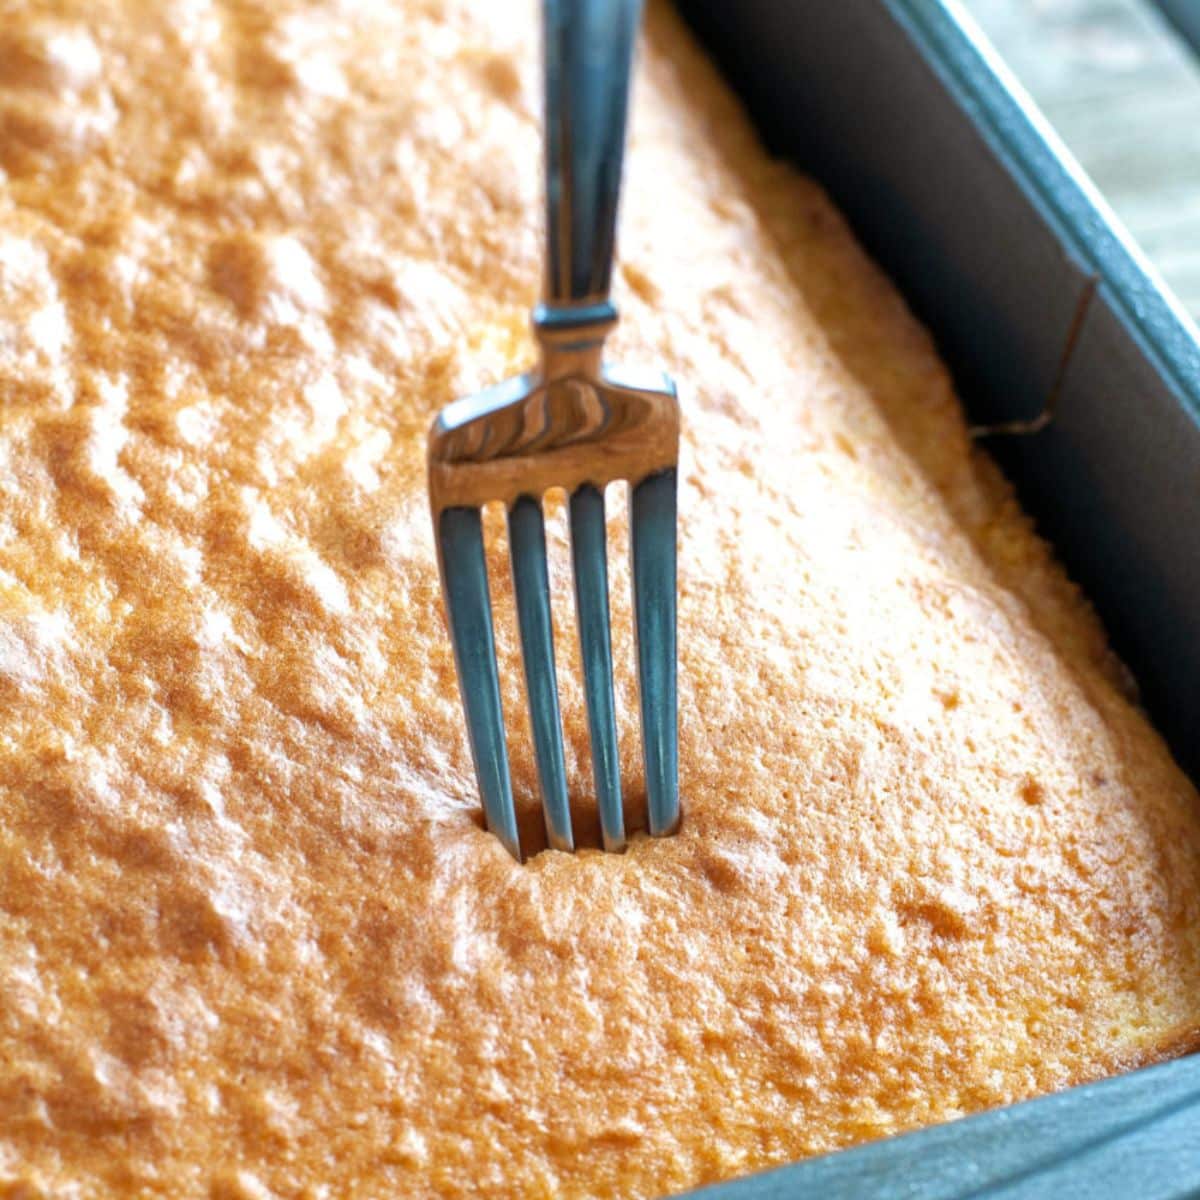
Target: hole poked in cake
{"type": "Point", "coordinates": [1032, 792]}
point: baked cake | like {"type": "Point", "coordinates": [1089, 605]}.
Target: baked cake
{"type": "Point", "coordinates": [253, 938]}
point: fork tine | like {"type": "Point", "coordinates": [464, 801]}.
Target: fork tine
{"type": "Point", "coordinates": [652, 541]}
{"type": "Point", "coordinates": [589, 556]}
{"type": "Point", "coordinates": [469, 607]}
{"type": "Point", "coordinates": [527, 545]}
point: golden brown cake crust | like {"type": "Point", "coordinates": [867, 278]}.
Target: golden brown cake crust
{"type": "Point", "coordinates": [253, 940]}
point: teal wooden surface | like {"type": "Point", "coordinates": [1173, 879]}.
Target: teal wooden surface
{"type": "Point", "coordinates": [1122, 89]}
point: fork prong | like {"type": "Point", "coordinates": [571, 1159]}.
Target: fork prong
{"type": "Point", "coordinates": [469, 608]}
{"type": "Point", "coordinates": [652, 542]}
{"type": "Point", "coordinates": [527, 545]}
{"type": "Point", "coordinates": [589, 556]}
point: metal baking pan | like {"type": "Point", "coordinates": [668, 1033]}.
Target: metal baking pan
{"type": "Point", "coordinates": [1184, 15]}
{"type": "Point", "coordinates": [1035, 296]}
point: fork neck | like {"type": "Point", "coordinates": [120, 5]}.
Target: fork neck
{"type": "Point", "coordinates": [588, 59]}
{"type": "Point", "coordinates": [572, 339]}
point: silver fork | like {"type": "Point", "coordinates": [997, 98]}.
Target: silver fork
{"type": "Point", "coordinates": [576, 423]}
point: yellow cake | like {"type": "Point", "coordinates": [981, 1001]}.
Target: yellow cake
{"type": "Point", "coordinates": [254, 940]}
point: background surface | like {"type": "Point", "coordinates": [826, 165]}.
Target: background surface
{"type": "Point", "coordinates": [1122, 88]}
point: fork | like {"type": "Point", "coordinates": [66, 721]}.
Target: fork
{"type": "Point", "coordinates": [577, 423]}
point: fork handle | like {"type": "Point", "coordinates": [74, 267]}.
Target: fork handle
{"type": "Point", "coordinates": [588, 51]}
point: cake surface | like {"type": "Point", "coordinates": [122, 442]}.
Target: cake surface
{"type": "Point", "coordinates": [253, 939]}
